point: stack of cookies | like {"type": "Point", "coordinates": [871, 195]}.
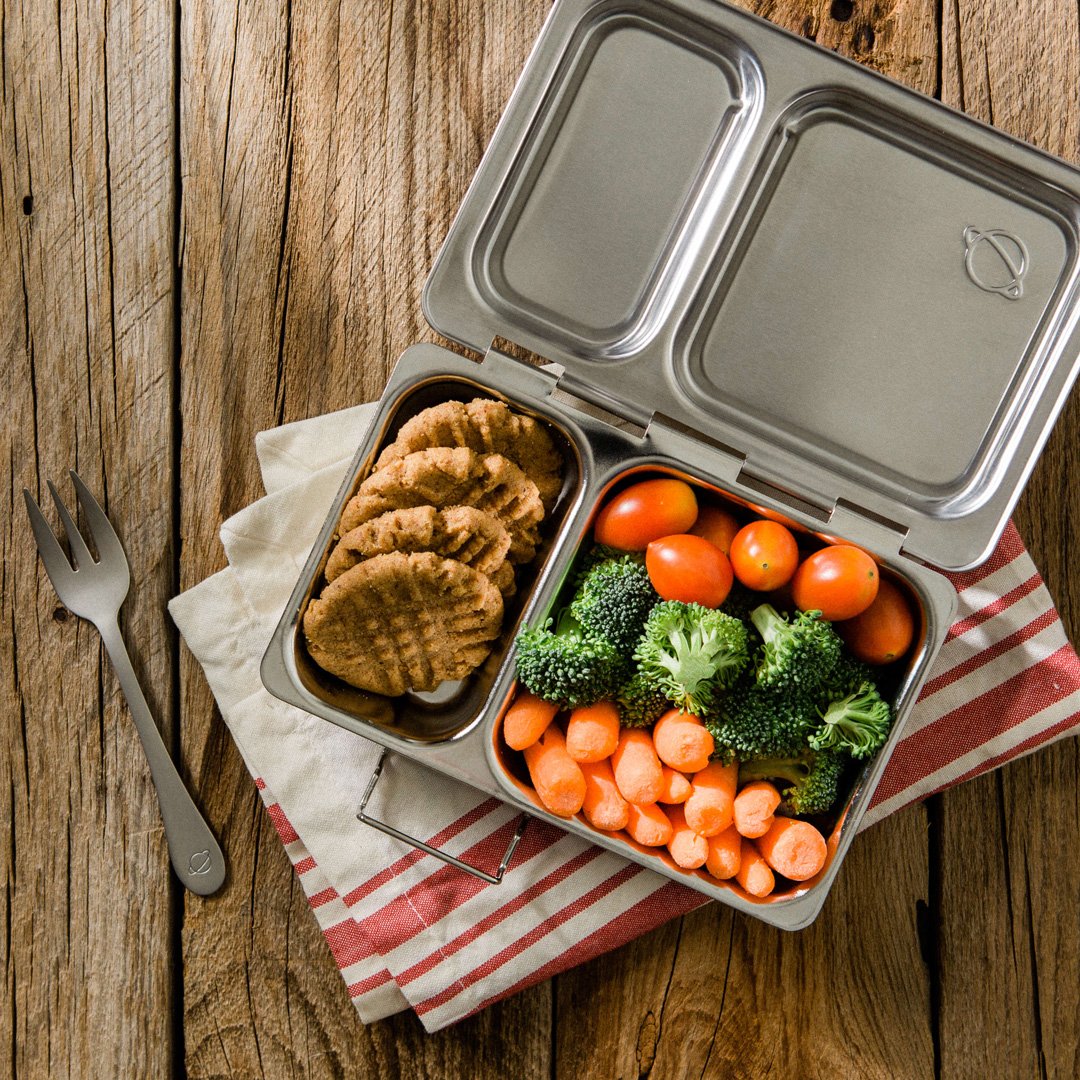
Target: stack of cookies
{"type": "Point", "coordinates": [427, 548]}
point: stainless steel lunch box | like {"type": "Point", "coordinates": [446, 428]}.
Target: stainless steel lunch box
{"type": "Point", "coordinates": [749, 262]}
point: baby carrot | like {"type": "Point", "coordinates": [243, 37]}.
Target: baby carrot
{"type": "Point", "coordinates": [593, 732]}
{"type": "Point", "coordinates": [754, 874]}
{"type": "Point", "coordinates": [682, 742]}
{"type": "Point", "coordinates": [754, 808]}
{"type": "Point", "coordinates": [793, 848]}
{"type": "Point", "coordinates": [637, 768]}
{"type": "Point", "coordinates": [676, 786]}
{"type": "Point", "coordinates": [557, 777]}
{"type": "Point", "coordinates": [724, 856]}
{"type": "Point", "coordinates": [687, 848]}
{"type": "Point", "coordinates": [527, 719]}
{"type": "Point", "coordinates": [648, 825]}
{"type": "Point", "coordinates": [712, 795]}
{"type": "Point", "coordinates": [604, 807]}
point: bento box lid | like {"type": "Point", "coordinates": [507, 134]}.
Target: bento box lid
{"type": "Point", "coordinates": [701, 217]}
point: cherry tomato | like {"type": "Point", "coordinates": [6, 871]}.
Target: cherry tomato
{"type": "Point", "coordinates": [646, 512]}
{"type": "Point", "coordinates": [717, 526]}
{"type": "Point", "coordinates": [764, 555]}
{"type": "Point", "coordinates": [840, 581]}
{"type": "Point", "coordinates": [884, 631]}
{"type": "Point", "coordinates": [690, 569]}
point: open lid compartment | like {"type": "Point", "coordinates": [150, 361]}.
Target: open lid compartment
{"type": "Point", "coordinates": [870, 297]}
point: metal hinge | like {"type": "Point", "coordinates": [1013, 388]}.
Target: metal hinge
{"type": "Point", "coordinates": [536, 379]}
{"type": "Point", "coordinates": [866, 529]}
{"type": "Point", "coordinates": [589, 399]}
{"type": "Point", "coordinates": [541, 378]}
{"type": "Point", "coordinates": [705, 455]}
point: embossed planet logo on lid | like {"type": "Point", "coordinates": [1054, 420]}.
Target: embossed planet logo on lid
{"type": "Point", "coordinates": [996, 261]}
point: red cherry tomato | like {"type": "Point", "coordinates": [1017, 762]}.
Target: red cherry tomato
{"type": "Point", "coordinates": [840, 581]}
{"type": "Point", "coordinates": [884, 631]}
{"type": "Point", "coordinates": [646, 512]}
{"type": "Point", "coordinates": [764, 555]}
{"type": "Point", "coordinates": [690, 569]}
{"type": "Point", "coordinates": [717, 526]}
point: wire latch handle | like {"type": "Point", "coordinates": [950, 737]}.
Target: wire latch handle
{"type": "Point", "coordinates": [382, 826]}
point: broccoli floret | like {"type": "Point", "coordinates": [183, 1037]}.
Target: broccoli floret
{"type": "Point", "coordinates": [755, 721]}
{"type": "Point", "coordinates": [814, 779]}
{"type": "Point", "coordinates": [741, 601]}
{"type": "Point", "coordinates": [848, 675]}
{"type": "Point", "coordinates": [613, 601]}
{"type": "Point", "coordinates": [566, 665]}
{"type": "Point", "coordinates": [857, 724]}
{"type": "Point", "coordinates": [689, 652]}
{"type": "Point", "coordinates": [639, 703]}
{"type": "Point", "coordinates": [599, 553]}
{"type": "Point", "coordinates": [799, 654]}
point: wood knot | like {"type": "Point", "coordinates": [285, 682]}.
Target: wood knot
{"type": "Point", "coordinates": [842, 10]}
{"type": "Point", "coordinates": [864, 39]}
{"type": "Point", "coordinates": [648, 1034]}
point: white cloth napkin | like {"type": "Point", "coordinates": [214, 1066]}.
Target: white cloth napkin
{"type": "Point", "coordinates": [407, 931]}
{"type": "Point", "coordinates": [418, 920]}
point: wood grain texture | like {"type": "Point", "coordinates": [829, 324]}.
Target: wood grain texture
{"type": "Point", "coordinates": [1008, 841]}
{"type": "Point", "coordinates": [324, 151]}
{"type": "Point", "coordinates": [86, 383]}
{"type": "Point", "coordinates": [303, 161]}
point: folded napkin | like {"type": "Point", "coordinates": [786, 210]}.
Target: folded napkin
{"type": "Point", "coordinates": [407, 930]}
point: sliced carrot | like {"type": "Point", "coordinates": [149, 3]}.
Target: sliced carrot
{"type": "Point", "coordinates": [648, 825]}
{"type": "Point", "coordinates": [682, 741]}
{"type": "Point", "coordinates": [593, 732]}
{"type": "Point", "coordinates": [637, 768]}
{"type": "Point", "coordinates": [754, 808]}
{"type": "Point", "coordinates": [793, 848]}
{"type": "Point", "coordinates": [754, 874]}
{"type": "Point", "coordinates": [712, 795]}
{"type": "Point", "coordinates": [687, 848]}
{"type": "Point", "coordinates": [604, 807]}
{"type": "Point", "coordinates": [725, 854]}
{"type": "Point", "coordinates": [527, 719]}
{"type": "Point", "coordinates": [676, 786]}
{"type": "Point", "coordinates": [557, 777]}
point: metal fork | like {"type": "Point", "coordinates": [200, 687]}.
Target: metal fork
{"type": "Point", "coordinates": [95, 591]}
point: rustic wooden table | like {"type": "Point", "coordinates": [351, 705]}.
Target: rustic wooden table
{"type": "Point", "coordinates": [216, 217]}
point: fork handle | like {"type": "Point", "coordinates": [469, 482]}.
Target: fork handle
{"type": "Point", "coordinates": [195, 855]}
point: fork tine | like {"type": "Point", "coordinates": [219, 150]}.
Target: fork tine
{"type": "Point", "coordinates": [101, 529]}
{"type": "Point", "coordinates": [52, 554]}
{"type": "Point", "coordinates": [79, 551]}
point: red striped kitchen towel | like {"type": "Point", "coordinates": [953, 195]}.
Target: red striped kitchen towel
{"type": "Point", "coordinates": [408, 931]}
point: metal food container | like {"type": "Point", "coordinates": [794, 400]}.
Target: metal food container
{"type": "Point", "coordinates": [758, 266]}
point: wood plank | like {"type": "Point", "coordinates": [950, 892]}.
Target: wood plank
{"type": "Point", "coordinates": [86, 218]}
{"type": "Point", "coordinates": [324, 151]}
{"type": "Point", "coordinates": [1008, 846]}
